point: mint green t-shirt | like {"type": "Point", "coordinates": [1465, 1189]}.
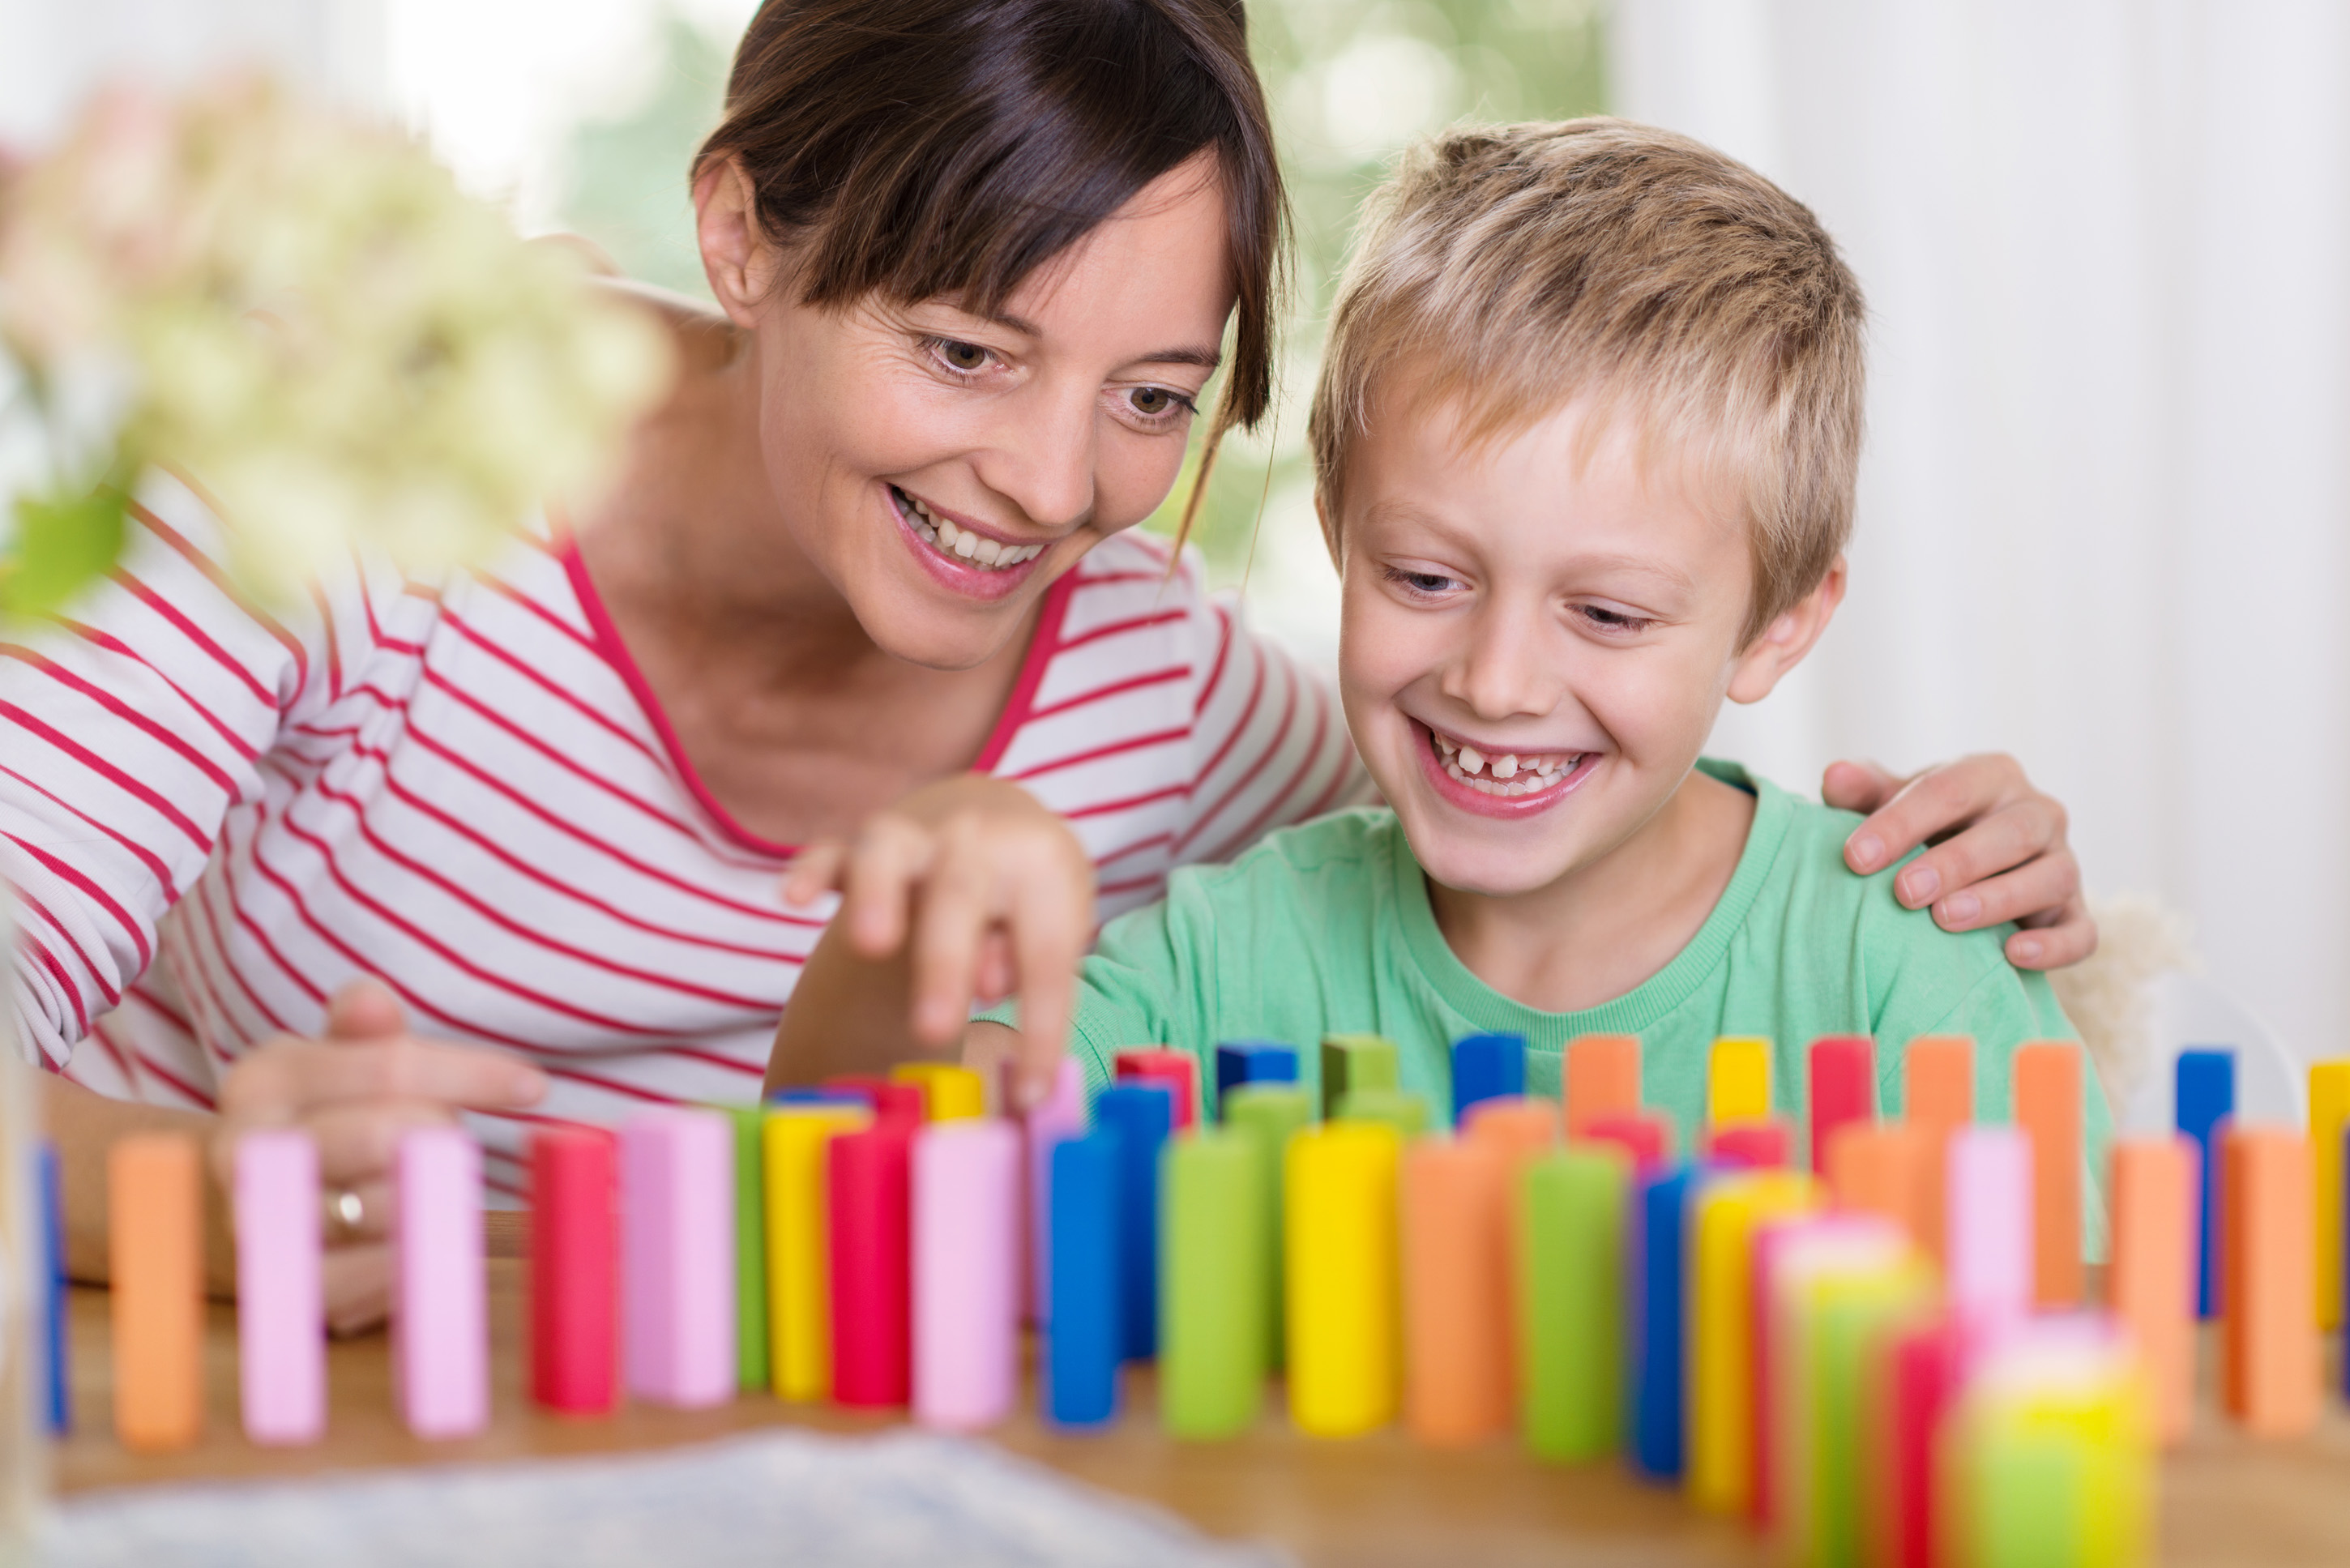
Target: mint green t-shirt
{"type": "Point", "coordinates": [1326, 928]}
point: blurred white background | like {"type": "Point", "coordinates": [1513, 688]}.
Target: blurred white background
{"type": "Point", "coordinates": [2106, 504]}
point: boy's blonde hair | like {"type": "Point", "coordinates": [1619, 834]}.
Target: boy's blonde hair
{"type": "Point", "coordinates": [1511, 270]}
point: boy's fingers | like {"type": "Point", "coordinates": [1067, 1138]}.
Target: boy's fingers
{"type": "Point", "coordinates": [889, 856]}
{"type": "Point", "coordinates": [2070, 938]}
{"type": "Point", "coordinates": [2044, 886]}
{"type": "Point", "coordinates": [2013, 836]}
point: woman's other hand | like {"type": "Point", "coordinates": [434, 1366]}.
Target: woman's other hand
{"type": "Point", "coordinates": [356, 1091]}
{"type": "Point", "coordinates": [977, 892]}
{"type": "Point", "coordinates": [1999, 851]}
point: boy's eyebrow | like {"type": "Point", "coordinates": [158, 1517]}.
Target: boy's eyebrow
{"type": "Point", "coordinates": [1404, 512]}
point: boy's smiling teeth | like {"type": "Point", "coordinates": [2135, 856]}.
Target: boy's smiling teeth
{"type": "Point", "coordinates": [972, 549]}
{"type": "Point", "coordinates": [1506, 773]}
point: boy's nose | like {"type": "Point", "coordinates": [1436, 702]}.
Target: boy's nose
{"type": "Point", "coordinates": [1506, 670]}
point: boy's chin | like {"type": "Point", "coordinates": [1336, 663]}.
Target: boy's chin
{"type": "Point", "coordinates": [1484, 870]}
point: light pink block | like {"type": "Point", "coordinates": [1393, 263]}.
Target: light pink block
{"type": "Point", "coordinates": [966, 1221]}
{"type": "Point", "coordinates": [440, 1317]}
{"type": "Point", "coordinates": [281, 1325]}
{"type": "Point", "coordinates": [1061, 1114]}
{"type": "Point", "coordinates": [677, 1256]}
{"type": "Point", "coordinates": [1987, 1227]}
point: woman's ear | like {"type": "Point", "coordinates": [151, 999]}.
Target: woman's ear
{"type": "Point", "coordinates": [737, 257]}
{"type": "Point", "coordinates": [1788, 638]}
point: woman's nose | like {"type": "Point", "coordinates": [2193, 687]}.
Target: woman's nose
{"type": "Point", "coordinates": [1041, 457]}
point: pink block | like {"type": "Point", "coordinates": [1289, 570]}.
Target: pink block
{"type": "Point", "coordinates": [966, 1200]}
{"type": "Point", "coordinates": [1987, 1226]}
{"type": "Point", "coordinates": [281, 1325]}
{"type": "Point", "coordinates": [1061, 1114]}
{"type": "Point", "coordinates": [440, 1317]}
{"type": "Point", "coordinates": [677, 1257]}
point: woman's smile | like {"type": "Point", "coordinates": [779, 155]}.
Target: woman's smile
{"type": "Point", "coordinates": [957, 556]}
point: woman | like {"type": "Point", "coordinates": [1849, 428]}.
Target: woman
{"type": "Point", "coordinates": [976, 268]}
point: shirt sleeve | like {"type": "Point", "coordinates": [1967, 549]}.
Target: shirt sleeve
{"type": "Point", "coordinates": [129, 727]}
{"type": "Point", "coordinates": [1269, 744]}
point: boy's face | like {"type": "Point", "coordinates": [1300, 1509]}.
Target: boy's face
{"type": "Point", "coordinates": [1535, 642]}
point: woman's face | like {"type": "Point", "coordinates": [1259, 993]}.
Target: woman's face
{"type": "Point", "coordinates": [940, 468]}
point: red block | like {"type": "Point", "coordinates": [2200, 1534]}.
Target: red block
{"type": "Point", "coordinates": [870, 1175]}
{"type": "Point", "coordinates": [1179, 1070]}
{"type": "Point", "coordinates": [1749, 1146]}
{"type": "Point", "coordinates": [891, 1101]}
{"type": "Point", "coordinates": [575, 1283]}
{"type": "Point", "coordinates": [1645, 1135]}
{"type": "Point", "coordinates": [1844, 1089]}
{"type": "Point", "coordinates": [1921, 1377]}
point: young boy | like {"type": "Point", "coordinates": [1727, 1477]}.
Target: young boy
{"type": "Point", "coordinates": [1585, 441]}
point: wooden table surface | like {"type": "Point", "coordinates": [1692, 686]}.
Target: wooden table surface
{"type": "Point", "coordinates": [1373, 1501]}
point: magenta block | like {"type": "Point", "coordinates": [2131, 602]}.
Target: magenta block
{"type": "Point", "coordinates": [281, 1323]}
{"type": "Point", "coordinates": [440, 1317]}
{"type": "Point", "coordinates": [677, 1256]}
{"type": "Point", "coordinates": [966, 1223]}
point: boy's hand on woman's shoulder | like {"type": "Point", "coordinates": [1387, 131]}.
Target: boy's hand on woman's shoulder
{"type": "Point", "coordinates": [1999, 851]}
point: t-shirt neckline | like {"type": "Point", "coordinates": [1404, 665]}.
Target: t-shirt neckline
{"type": "Point", "coordinates": [1645, 1004]}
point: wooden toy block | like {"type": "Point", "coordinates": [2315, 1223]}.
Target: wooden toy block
{"type": "Point", "coordinates": [1789, 1258]}
{"type": "Point", "coordinates": [1060, 1115]}
{"type": "Point", "coordinates": [1737, 1080]}
{"type": "Point", "coordinates": [2152, 1282]}
{"type": "Point", "coordinates": [281, 1321]}
{"type": "Point", "coordinates": [2047, 1079]}
{"type": "Point", "coordinates": [1399, 1108]}
{"type": "Point", "coordinates": [751, 1372]}
{"type": "Point", "coordinates": [1487, 1068]}
{"type": "Point", "coordinates": [1212, 1361]}
{"type": "Point", "coordinates": [1179, 1070]}
{"type": "Point", "coordinates": [1842, 1089]}
{"type": "Point", "coordinates": [1356, 1062]}
{"type": "Point", "coordinates": [1645, 1135]}
{"type": "Point", "coordinates": [1085, 1344]}
{"type": "Point", "coordinates": [1569, 1226]}
{"type": "Point", "coordinates": [1750, 1146]}
{"type": "Point", "coordinates": [1141, 1113]}
{"type": "Point", "coordinates": [2329, 1121]}
{"type": "Point", "coordinates": [949, 1092]}
{"type": "Point", "coordinates": [1938, 1099]}
{"type": "Point", "coordinates": [868, 1188]}
{"type": "Point", "coordinates": [1722, 1328]}
{"type": "Point", "coordinates": [440, 1308]}
{"type": "Point", "coordinates": [1921, 1374]}
{"type": "Point", "coordinates": [1658, 1312]}
{"type": "Point", "coordinates": [1267, 1114]}
{"type": "Point", "coordinates": [1521, 1126]}
{"type": "Point", "coordinates": [797, 1143]}
{"type": "Point", "coordinates": [891, 1100]}
{"type": "Point", "coordinates": [1845, 1322]}
{"type": "Point", "coordinates": [1341, 1237]}
{"type": "Point", "coordinates": [1241, 1062]}
{"type": "Point", "coordinates": [155, 1224]}
{"type": "Point", "coordinates": [57, 1389]}
{"type": "Point", "coordinates": [2269, 1367]}
{"type": "Point", "coordinates": [1456, 1277]}
{"type": "Point", "coordinates": [1879, 1167]}
{"type": "Point", "coordinates": [574, 1270]}
{"type": "Point", "coordinates": [1602, 1079]}
{"type": "Point", "coordinates": [966, 1239]}
{"type": "Point", "coordinates": [2204, 1094]}
{"type": "Point", "coordinates": [677, 1257]}
{"type": "Point", "coordinates": [1987, 1226]}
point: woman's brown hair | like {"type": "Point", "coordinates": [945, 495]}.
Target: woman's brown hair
{"type": "Point", "coordinates": [920, 149]}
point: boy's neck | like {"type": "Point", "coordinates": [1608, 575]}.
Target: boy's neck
{"type": "Point", "coordinates": [1603, 928]}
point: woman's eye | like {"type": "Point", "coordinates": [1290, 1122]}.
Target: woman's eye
{"type": "Point", "coordinates": [966, 357]}
{"type": "Point", "coordinates": [1157, 402]}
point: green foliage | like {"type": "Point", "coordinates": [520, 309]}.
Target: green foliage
{"type": "Point", "coordinates": [59, 547]}
{"type": "Point", "coordinates": [627, 187]}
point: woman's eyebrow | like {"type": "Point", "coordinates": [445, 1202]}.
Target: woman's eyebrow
{"type": "Point", "coordinates": [1206, 359]}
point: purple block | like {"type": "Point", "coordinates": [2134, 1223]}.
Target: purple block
{"type": "Point", "coordinates": [1987, 1227]}
{"type": "Point", "coordinates": [966, 1224]}
{"type": "Point", "coordinates": [281, 1323]}
{"type": "Point", "coordinates": [677, 1257]}
{"type": "Point", "coordinates": [439, 1314]}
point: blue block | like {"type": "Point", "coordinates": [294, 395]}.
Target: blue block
{"type": "Point", "coordinates": [1486, 1067]}
{"type": "Point", "coordinates": [1142, 1114]}
{"type": "Point", "coordinates": [818, 1097]}
{"type": "Point", "coordinates": [1252, 1062]}
{"type": "Point", "coordinates": [1658, 1319]}
{"type": "Point", "coordinates": [1081, 1348]}
{"type": "Point", "coordinates": [51, 1291]}
{"type": "Point", "coordinates": [2206, 1092]}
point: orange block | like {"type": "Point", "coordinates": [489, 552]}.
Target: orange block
{"type": "Point", "coordinates": [155, 1236]}
{"type": "Point", "coordinates": [1521, 1127]}
{"type": "Point", "coordinates": [2047, 1074]}
{"type": "Point", "coordinates": [2269, 1369]}
{"type": "Point", "coordinates": [1937, 1097]}
{"type": "Point", "coordinates": [1602, 1079]}
{"type": "Point", "coordinates": [1879, 1167]}
{"type": "Point", "coordinates": [1457, 1373]}
{"type": "Point", "coordinates": [2152, 1282]}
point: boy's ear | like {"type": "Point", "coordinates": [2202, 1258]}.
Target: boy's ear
{"type": "Point", "coordinates": [1785, 641]}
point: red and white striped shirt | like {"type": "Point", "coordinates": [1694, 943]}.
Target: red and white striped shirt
{"type": "Point", "coordinates": [213, 816]}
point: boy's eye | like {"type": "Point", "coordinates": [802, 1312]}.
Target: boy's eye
{"type": "Point", "coordinates": [1427, 582]}
{"type": "Point", "coordinates": [967, 359]}
{"type": "Point", "coordinates": [1610, 620]}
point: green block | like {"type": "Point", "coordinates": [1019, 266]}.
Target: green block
{"type": "Point", "coordinates": [1399, 1108]}
{"type": "Point", "coordinates": [1351, 1062]}
{"type": "Point", "coordinates": [1855, 1315]}
{"type": "Point", "coordinates": [1570, 1281]}
{"type": "Point", "coordinates": [1212, 1299]}
{"type": "Point", "coordinates": [1265, 1114]}
{"type": "Point", "coordinates": [749, 1249]}
{"type": "Point", "coordinates": [2027, 1504]}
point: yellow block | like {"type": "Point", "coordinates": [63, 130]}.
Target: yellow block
{"type": "Point", "coordinates": [2329, 1113]}
{"type": "Point", "coordinates": [1738, 1087]}
{"type": "Point", "coordinates": [799, 1273]}
{"type": "Point", "coordinates": [949, 1093]}
{"type": "Point", "coordinates": [1721, 1329]}
{"type": "Point", "coordinates": [1344, 1336]}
